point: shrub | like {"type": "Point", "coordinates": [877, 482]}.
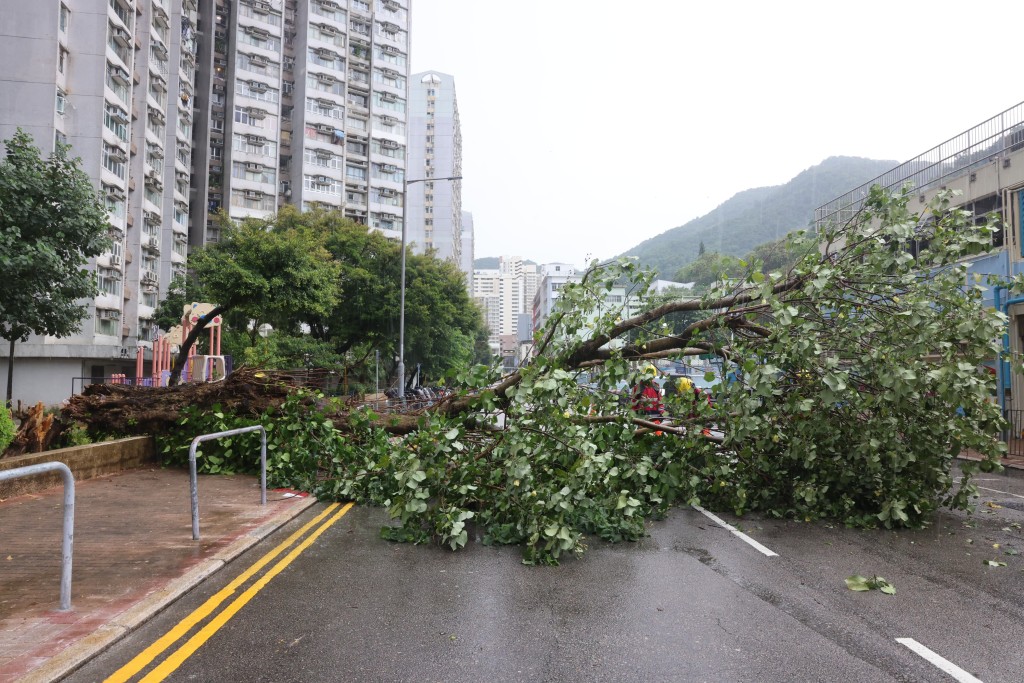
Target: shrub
{"type": "Point", "coordinates": [7, 429]}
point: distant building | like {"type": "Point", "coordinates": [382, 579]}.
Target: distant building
{"type": "Point", "coordinates": [434, 207]}
{"type": "Point", "coordinates": [504, 293]}
{"type": "Point", "coordinates": [468, 249]}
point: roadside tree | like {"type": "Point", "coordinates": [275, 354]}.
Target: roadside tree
{"type": "Point", "coordinates": [52, 222]}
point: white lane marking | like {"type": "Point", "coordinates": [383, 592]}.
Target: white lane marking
{"type": "Point", "coordinates": [940, 662]}
{"type": "Point", "coordinates": [735, 531]}
{"type": "Point", "coordinates": [984, 488]}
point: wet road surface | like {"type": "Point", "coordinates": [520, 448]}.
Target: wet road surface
{"type": "Point", "coordinates": [692, 602]}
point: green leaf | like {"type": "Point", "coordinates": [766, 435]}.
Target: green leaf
{"type": "Point", "coordinates": [857, 583]}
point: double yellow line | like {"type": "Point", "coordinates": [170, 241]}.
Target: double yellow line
{"type": "Point", "coordinates": [176, 658]}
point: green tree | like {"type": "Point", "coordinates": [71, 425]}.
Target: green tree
{"type": "Point", "coordinates": [710, 268]}
{"type": "Point", "coordinates": [263, 272]}
{"type": "Point", "coordinates": [857, 386]}
{"type": "Point", "coordinates": [169, 312]}
{"type": "Point", "coordinates": [441, 321]}
{"type": "Point", "coordinates": [52, 222]}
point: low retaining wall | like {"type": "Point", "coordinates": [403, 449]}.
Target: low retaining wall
{"type": "Point", "coordinates": [85, 462]}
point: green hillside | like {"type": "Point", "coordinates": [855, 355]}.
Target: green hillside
{"type": "Point", "coordinates": [758, 215]}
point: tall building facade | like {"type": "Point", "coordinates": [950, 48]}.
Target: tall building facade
{"type": "Point", "coordinates": [180, 109]}
{"type": "Point", "coordinates": [307, 102]}
{"type": "Point", "coordinates": [115, 79]}
{"type": "Point", "coordinates": [434, 207]}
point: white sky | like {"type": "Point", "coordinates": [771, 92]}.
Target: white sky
{"type": "Point", "coordinates": [591, 125]}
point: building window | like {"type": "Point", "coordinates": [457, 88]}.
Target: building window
{"type": "Point", "coordinates": [65, 16]}
{"type": "Point", "coordinates": [62, 59]}
{"type": "Point", "coordinates": [62, 101]}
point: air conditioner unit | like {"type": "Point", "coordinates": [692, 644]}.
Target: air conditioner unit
{"type": "Point", "coordinates": [328, 30]}
{"type": "Point", "coordinates": [256, 140]}
{"type": "Point", "coordinates": [388, 168]}
{"type": "Point", "coordinates": [322, 180]}
{"type": "Point", "coordinates": [254, 167]}
{"type": "Point", "coordinates": [387, 192]}
{"type": "Point", "coordinates": [323, 154]}
{"type": "Point", "coordinates": [122, 37]}
{"type": "Point", "coordinates": [108, 314]}
{"type": "Point", "coordinates": [258, 60]}
{"type": "Point", "coordinates": [262, 7]}
{"type": "Point", "coordinates": [149, 277]}
{"type": "Point", "coordinates": [253, 194]}
{"type": "Point", "coordinates": [391, 50]}
{"type": "Point", "coordinates": [218, 87]}
{"type": "Point", "coordinates": [258, 87]}
{"type": "Point", "coordinates": [389, 144]}
{"type": "Point", "coordinates": [153, 242]}
{"type": "Point", "coordinates": [115, 260]}
{"type": "Point", "coordinates": [256, 113]}
{"type": "Point", "coordinates": [258, 33]}
{"type": "Point", "coordinates": [120, 76]}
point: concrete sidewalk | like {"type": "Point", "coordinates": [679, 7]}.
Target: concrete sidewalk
{"type": "Point", "coordinates": [133, 554]}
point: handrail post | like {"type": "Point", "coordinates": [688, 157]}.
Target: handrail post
{"type": "Point", "coordinates": [194, 478]}
{"type": "Point", "coordinates": [67, 541]}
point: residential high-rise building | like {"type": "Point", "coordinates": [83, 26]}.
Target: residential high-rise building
{"type": "Point", "coordinates": [180, 109]}
{"type": "Point", "coordinates": [308, 107]}
{"type": "Point", "coordinates": [115, 80]}
{"type": "Point", "coordinates": [434, 207]}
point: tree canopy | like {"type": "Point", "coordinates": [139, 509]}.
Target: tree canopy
{"type": "Point", "coordinates": [51, 223]}
{"type": "Point", "coordinates": [849, 385]}
{"type": "Point", "coordinates": [329, 287]}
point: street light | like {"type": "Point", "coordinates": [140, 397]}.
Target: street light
{"type": "Point", "coordinates": [401, 316]}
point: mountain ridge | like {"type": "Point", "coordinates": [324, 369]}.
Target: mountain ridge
{"type": "Point", "coordinates": [757, 215]}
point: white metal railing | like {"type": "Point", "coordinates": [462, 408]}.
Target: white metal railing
{"type": "Point", "coordinates": [975, 147]}
{"type": "Point", "coordinates": [194, 479]}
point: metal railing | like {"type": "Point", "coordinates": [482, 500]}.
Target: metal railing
{"type": "Point", "coordinates": [1014, 435]}
{"type": "Point", "coordinates": [975, 147]}
{"type": "Point", "coordinates": [194, 479]}
{"type": "Point", "coordinates": [69, 518]}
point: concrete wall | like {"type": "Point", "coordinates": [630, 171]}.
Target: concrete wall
{"type": "Point", "coordinates": [85, 462]}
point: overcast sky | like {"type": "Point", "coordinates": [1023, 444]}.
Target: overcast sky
{"type": "Point", "coordinates": [591, 125]}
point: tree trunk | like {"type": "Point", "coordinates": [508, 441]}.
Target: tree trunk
{"type": "Point", "coordinates": [179, 364]}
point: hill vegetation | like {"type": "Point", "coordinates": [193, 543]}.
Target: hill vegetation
{"type": "Point", "coordinates": [756, 216]}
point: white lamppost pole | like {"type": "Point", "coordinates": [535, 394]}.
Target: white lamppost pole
{"type": "Point", "coordinates": [401, 318]}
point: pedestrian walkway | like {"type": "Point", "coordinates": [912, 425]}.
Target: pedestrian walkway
{"type": "Point", "coordinates": [133, 554]}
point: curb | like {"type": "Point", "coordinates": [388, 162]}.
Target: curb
{"type": "Point", "coordinates": [77, 654]}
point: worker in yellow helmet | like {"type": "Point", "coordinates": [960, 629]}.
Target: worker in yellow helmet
{"type": "Point", "coordinates": [647, 393]}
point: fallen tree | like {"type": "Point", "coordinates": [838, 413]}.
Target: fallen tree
{"type": "Point", "coordinates": [850, 385]}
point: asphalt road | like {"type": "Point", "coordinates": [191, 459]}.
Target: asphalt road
{"type": "Point", "coordinates": [693, 602]}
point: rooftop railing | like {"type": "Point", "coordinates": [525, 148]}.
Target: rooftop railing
{"type": "Point", "coordinates": [999, 135]}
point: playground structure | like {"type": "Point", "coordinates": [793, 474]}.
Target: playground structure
{"type": "Point", "coordinates": [211, 367]}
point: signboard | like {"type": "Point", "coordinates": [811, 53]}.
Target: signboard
{"type": "Point", "coordinates": [194, 311]}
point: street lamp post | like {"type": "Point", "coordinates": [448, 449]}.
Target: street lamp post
{"type": "Point", "coordinates": [401, 316]}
